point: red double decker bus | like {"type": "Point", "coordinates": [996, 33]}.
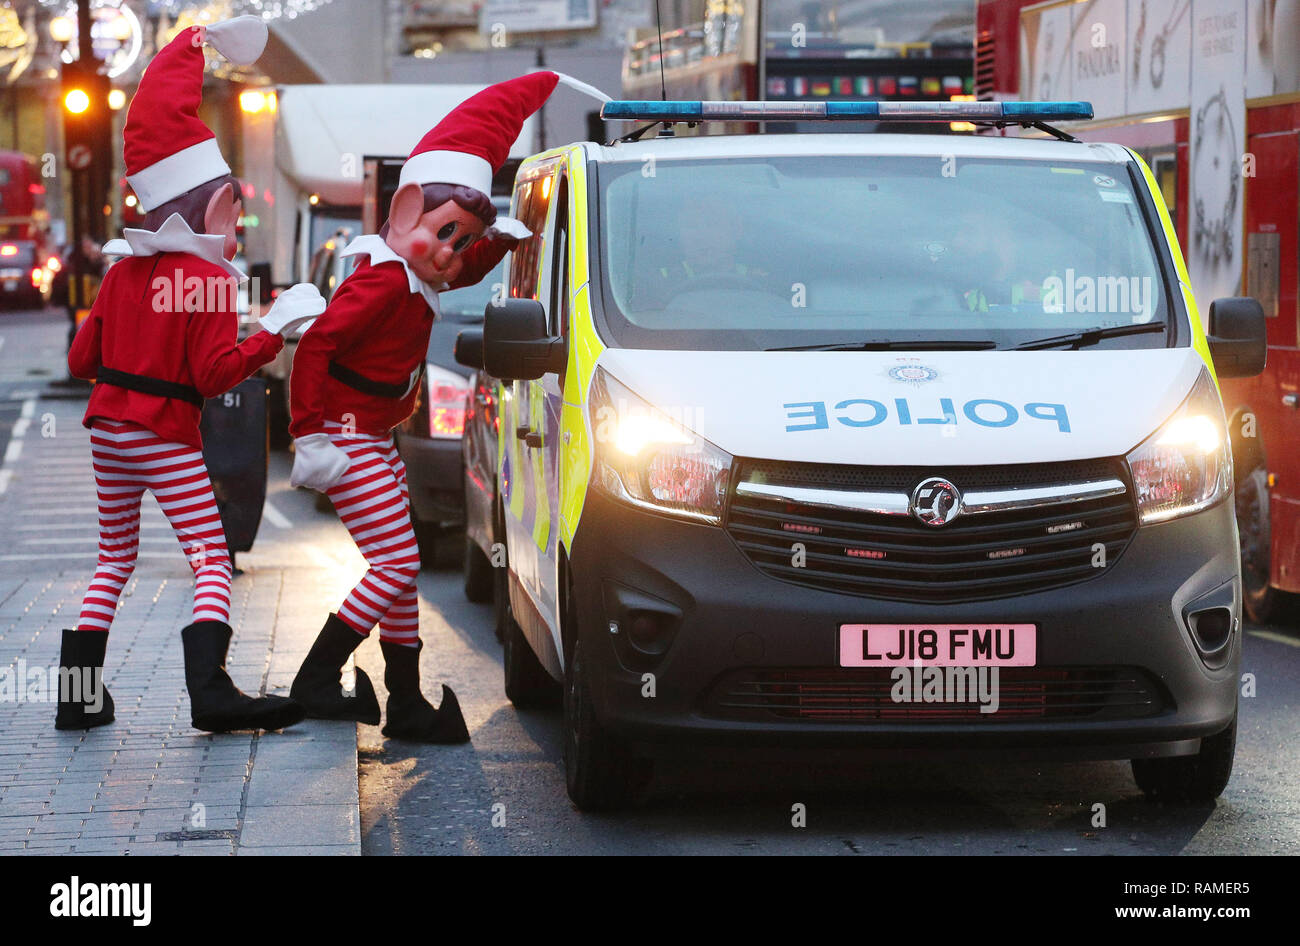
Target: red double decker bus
{"type": "Point", "coordinates": [792, 50]}
{"type": "Point", "coordinates": [1208, 92]}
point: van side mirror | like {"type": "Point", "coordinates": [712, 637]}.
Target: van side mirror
{"type": "Point", "coordinates": [1237, 337]}
{"type": "Point", "coordinates": [469, 348]}
{"type": "Point", "coordinates": [516, 346]}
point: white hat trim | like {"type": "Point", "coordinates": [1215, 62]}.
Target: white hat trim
{"type": "Point", "coordinates": [178, 173]}
{"type": "Point", "coordinates": [447, 167]}
{"type": "Point", "coordinates": [240, 40]}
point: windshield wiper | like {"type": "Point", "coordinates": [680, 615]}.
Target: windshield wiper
{"type": "Point", "coordinates": [1090, 336]}
{"type": "Point", "coordinates": [923, 344]}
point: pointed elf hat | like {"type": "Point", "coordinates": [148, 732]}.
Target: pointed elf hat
{"type": "Point", "coordinates": [167, 148]}
{"type": "Point", "coordinates": [472, 142]}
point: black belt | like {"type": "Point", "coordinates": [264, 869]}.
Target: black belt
{"type": "Point", "coordinates": [369, 386]}
{"type": "Point", "coordinates": [146, 385]}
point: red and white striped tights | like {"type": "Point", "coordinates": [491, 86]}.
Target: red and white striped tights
{"type": "Point", "coordinates": [374, 504]}
{"type": "Point", "coordinates": [128, 460]}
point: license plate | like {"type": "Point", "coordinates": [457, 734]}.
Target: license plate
{"type": "Point", "coordinates": [938, 645]}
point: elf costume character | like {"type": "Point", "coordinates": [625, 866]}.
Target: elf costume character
{"type": "Point", "coordinates": [160, 338]}
{"type": "Point", "coordinates": [356, 377]}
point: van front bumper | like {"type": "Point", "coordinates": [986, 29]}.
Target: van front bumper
{"type": "Point", "coordinates": [717, 623]}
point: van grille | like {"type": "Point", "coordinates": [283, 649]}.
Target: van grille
{"type": "Point", "coordinates": [896, 557]}
{"type": "Point", "coordinates": [831, 695]}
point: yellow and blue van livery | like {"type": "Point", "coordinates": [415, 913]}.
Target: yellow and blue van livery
{"type": "Point", "coordinates": [762, 473]}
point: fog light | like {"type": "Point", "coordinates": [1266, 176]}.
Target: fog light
{"type": "Point", "coordinates": [649, 631]}
{"type": "Point", "coordinates": [1212, 629]}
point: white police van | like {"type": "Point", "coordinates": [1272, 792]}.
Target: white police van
{"type": "Point", "coordinates": [880, 441]}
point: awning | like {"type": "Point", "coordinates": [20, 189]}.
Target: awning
{"type": "Point", "coordinates": [325, 131]}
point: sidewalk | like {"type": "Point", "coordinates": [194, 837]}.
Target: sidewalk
{"type": "Point", "coordinates": [150, 783]}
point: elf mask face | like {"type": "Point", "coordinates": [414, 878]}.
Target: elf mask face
{"type": "Point", "coordinates": [431, 242]}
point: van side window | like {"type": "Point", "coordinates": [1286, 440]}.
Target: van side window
{"type": "Point", "coordinates": [532, 200]}
{"type": "Point", "coordinates": [558, 311]}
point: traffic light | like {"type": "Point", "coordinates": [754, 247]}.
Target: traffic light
{"type": "Point", "coordinates": [88, 162]}
{"type": "Point", "coordinates": [87, 118]}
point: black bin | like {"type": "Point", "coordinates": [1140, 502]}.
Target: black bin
{"type": "Point", "coordinates": [235, 448]}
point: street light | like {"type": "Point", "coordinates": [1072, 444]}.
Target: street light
{"type": "Point", "coordinates": [76, 101]}
{"type": "Point", "coordinates": [62, 29]}
{"type": "Point", "coordinates": [116, 99]}
{"type": "Point", "coordinates": [252, 101]}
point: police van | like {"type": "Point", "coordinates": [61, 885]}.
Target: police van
{"type": "Point", "coordinates": [881, 441]}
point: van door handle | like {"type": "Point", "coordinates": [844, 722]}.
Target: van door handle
{"type": "Point", "coordinates": [533, 438]}
{"type": "Point", "coordinates": [1290, 400]}
{"type": "Point", "coordinates": [523, 432]}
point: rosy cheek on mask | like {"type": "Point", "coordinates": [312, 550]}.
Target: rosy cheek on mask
{"type": "Point", "coordinates": [420, 247]}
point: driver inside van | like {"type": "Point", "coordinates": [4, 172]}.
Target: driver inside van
{"type": "Point", "coordinates": [986, 251]}
{"type": "Point", "coordinates": [709, 244]}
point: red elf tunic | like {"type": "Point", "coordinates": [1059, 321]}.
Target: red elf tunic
{"type": "Point", "coordinates": [168, 315]}
{"type": "Point", "coordinates": [377, 325]}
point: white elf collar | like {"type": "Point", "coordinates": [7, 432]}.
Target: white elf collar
{"type": "Point", "coordinates": [374, 246]}
{"type": "Point", "coordinates": [174, 236]}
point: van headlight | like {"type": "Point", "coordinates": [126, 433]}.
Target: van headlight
{"type": "Point", "coordinates": [646, 458]}
{"type": "Point", "coordinates": [1186, 465]}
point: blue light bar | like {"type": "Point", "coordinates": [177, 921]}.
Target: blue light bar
{"type": "Point", "coordinates": [652, 111]}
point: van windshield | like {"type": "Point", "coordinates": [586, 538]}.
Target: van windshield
{"type": "Point", "coordinates": [841, 251]}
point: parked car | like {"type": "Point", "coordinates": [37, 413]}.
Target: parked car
{"type": "Point", "coordinates": [26, 280]}
{"type": "Point", "coordinates": [792, 420]}
{"type": "Point", "coordinates": [429, 441]}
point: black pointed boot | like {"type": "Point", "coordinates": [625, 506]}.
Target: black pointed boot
{"type": "Point", "coordinates": [83, 651]}
{"type": "Point", "coordinates": [216, 704]}
{"type": "Point", "coordinates": [409, 714]}
{"type": "Point", "coordinates": [317, 686]}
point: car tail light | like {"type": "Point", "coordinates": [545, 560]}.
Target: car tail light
{"type": "Point", "coordinates": [38, 277]}
{"type": "Point", "coordinates": [486, 398]}
{"type": "Point", "coordinates": [446, 393]}
{"type": "Point", "coordinates": [8, 250]}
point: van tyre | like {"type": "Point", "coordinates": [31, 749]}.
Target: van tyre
{"type": "Point", "coordinates": [1195, 779]}
{"type": "Point", "coordinates": [478, 573]}
{"type": "Point", "coordinates": [500, 577]}
{"type": "Point", "coordinates": [600, 772]}
{"type": "Point", "coordinates": [528, 685]}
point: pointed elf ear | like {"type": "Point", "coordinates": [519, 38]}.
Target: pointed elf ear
{"type": "Point", "coordinates": [220, 208]}
{"type": "Point", "coordinates": [407, 208]}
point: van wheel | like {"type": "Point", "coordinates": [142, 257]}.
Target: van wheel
{"type": "Point", "coordinates": [528, 685]}
{"type": "Point", "coordinates": [1197, 779]}
{"type": "Point", "coordinates": [1263, 603]}
{"type": "Point", "coordinates": [478, 573]}
{"type": "Point", "coordinates": [599, 771]}
{"type": "Point", "coordinates": [500, 575]}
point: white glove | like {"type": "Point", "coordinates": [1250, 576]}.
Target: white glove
{"type": "Point", "coordinates": [293, 308]}
{"type": "Point", "coordinates": [317, 463]}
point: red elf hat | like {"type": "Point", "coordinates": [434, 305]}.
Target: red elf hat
{"type": "Point", "coordinates": [167, 148]}
{"type": "Point", "coordinates": [473, 141]}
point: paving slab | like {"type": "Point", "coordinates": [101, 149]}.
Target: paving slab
{"type": "Point", "coordinates": [128, 787]}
